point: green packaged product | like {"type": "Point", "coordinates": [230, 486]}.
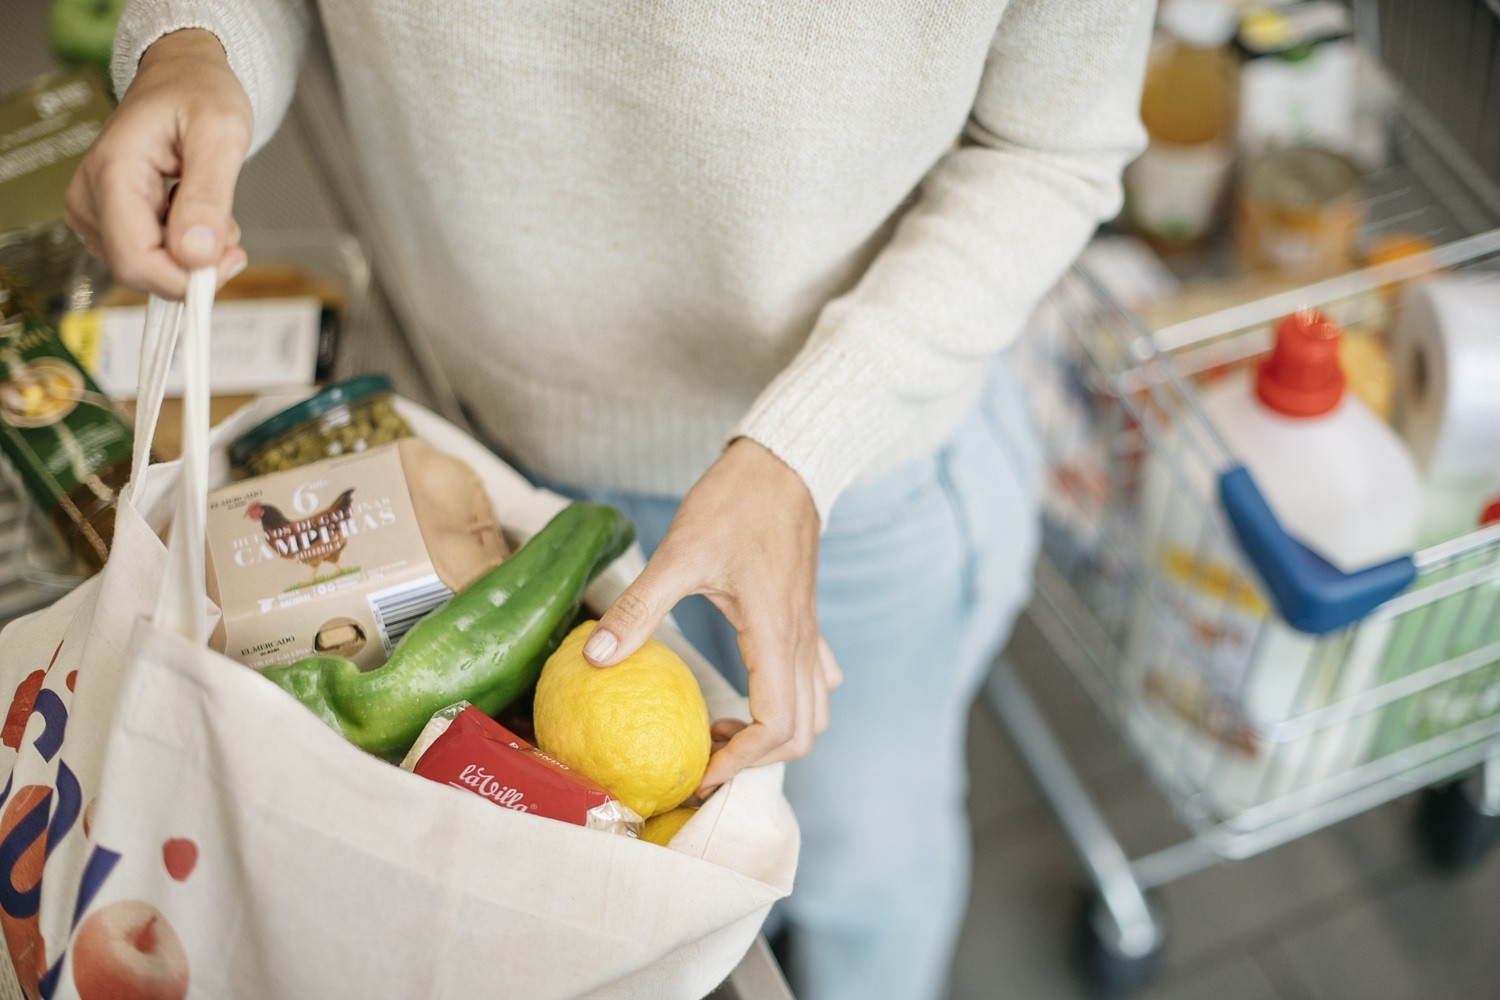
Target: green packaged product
{"type": "Point", "coordinates": [44, 131]}
{"type": "Point", "coordinates": [60, 433]}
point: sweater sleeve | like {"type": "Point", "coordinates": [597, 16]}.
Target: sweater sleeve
{"type": "Point", "coordinates": [264, 40]}
{"type": "Point", "coordinates": [992, 227]}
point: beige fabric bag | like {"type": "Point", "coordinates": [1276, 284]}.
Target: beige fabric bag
{"type": "Point", "coordinates": [174, 821]}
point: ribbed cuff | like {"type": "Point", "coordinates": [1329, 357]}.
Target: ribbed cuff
{"type": "Point", "coordinates": [262, 40]}
{"type": "Point", "coordinates": [829, 413]}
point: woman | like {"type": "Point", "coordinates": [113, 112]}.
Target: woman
{"type": "Point", "coordinates": [747, 271]}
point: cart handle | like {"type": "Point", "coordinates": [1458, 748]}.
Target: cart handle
{"type": "Point", "coordinates": [1312, 594]}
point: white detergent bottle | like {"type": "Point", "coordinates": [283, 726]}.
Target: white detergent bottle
{"type": "Point", "coordinates": [1213, 663]}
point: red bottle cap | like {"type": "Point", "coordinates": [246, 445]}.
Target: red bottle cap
{"type": "Point", "coordinates": [1302, 377]}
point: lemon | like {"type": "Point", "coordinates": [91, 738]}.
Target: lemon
{"type": "Point", "coordinates": [639, 728]}
{"type": "Point", "coordinates": [661, 829]}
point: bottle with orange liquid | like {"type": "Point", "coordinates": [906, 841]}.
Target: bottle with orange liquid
{"type": "Point", "coordinates": [1175, 189]}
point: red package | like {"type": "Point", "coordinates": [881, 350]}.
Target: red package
{"type": "Point", "coordinates": [475, 753]}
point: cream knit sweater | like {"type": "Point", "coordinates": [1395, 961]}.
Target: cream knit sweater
{"type": "Point", "coordinates": [636, 229]}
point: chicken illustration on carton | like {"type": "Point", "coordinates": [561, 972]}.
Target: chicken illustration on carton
{"type": "Point", "coordinates": [334, 558]}
{"type": "Point", "coordinates": [311, 541]}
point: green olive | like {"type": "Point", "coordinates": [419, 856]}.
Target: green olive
{"type": "Point", "coordinates": [366, 424]}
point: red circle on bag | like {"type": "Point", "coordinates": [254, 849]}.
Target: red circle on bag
{"type": "Point", "coordinates": [180, 855]}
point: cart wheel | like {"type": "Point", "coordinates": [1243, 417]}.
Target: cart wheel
{"type": "Point", "coordinates": [1454, 832]}
{"type": "Point", "coordinates": [1112, 972]}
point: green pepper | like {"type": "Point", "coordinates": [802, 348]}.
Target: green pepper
{"type": "Point", "coordinates": [486, 645]}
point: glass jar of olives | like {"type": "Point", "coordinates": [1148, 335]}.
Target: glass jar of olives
{"type": "Point", "coordinates": [348, 416]}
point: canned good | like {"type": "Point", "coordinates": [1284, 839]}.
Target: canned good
{"type": "Point", "coordinates": [347, 417]}
{"type": "Point", "coordinates": [1298, 212]}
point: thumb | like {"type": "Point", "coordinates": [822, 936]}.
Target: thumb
{"type": "Point", "coordinates": [199, 222]}
{"type": "Point", "coordinates": [633, 616]}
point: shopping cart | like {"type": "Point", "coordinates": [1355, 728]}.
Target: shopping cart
{"type": "Point", "coordinates": [1398, 684]}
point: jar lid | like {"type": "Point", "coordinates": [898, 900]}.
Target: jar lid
{"type": "Point", "coordinates": [331, 398]}
{"type": "Point", "coordinates": [1300, 178]}
{"type": "Point", "coordinates": [1302, 377]}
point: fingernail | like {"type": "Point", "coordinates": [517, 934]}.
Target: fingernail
{"type": "Point", "coordinates": [601, 645]}
{"type": "Point", "coordinates": [230, 274]}
{"type": "Point", "coordinates": [198, 241]}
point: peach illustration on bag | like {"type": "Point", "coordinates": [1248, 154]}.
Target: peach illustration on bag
{"type": "Point", "coordinates": [129, 951]}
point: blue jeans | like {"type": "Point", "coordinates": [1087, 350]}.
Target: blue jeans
{"type": "Point", "coordinates": [920, 576]}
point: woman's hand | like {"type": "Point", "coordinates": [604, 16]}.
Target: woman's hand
{"type": "Point", "coordinates": [745, 536]}
{"type": "Point", "coordinates": [185, 117]}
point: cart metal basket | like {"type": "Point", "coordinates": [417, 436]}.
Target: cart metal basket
{"type": "Point", "coordinates": [1398, 688]}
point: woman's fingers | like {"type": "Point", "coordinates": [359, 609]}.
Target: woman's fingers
{"type": "Point", "coordinates": [829, 665]}
{"type": "Point", "coordinates": [788, 701]}
{"type": "Point", "coordinates": [777, 710]}
{"type": "Point", "coordinates": [231, 264]}
{"type": "Point", "coordinates": [637, 612]}
{"type": "Point", "coordinates": [130, 228]}
{"type": "Point", "coordinates": [723, 730]}
{"type": "Point", "coordinates": [820, 701]}
{"type": "Point", "coordinates": [200, 223]}
{"type": "Point", "coordinates": [745, 536]}
{"type": "Point", "coordinates": [750, 746]}
{"type": "Point", "coordinates": [186, 118]}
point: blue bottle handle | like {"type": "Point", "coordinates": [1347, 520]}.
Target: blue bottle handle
{"type": "Point", "coordinates": [1312, 594]}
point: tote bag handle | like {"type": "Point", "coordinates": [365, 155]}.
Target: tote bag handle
{"type": "Point", "coordinates": [182, 605]}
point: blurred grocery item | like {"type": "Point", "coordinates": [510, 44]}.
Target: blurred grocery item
{"type": "Point", "coordinates": [465, 749]}
{"type": "Point", "coordinates": [485, 646]}
{"type": "Point", "coordinates": [166, 443]}
{"type": "Point", "coordinates": [82, 32]}
{"type": "Point", "coordinates": [1397, 245]}
{"type": "Point", "coordinates": [1297, 82]}
{"type": "Point", "coordinates": [1376, 108]}
{"type": "Point", "coordinates": [1366, 363]}
{"type": "Point", "coordinates": [1451, 626]}
{"type": "Point", "coordinates": [1447, 359]}
{"type": "Point", "coordinates": [259, 345]}
{"type": "Point", "coordinates": [328, 267]}
{"type": "Point", "coordinates": [1338, 477]}
{"type": "Point", "coordinates": [1363, 353]}
{"type": "Point", "coordinates": [60, 433]}
{"type": "Point", "coordinates": [1206, 654]}
{"type": "Point", "coordinates": [639, 728]}
{"type": "Point", "coordinates": [1298, 212]}
{"type": "Point", "coordinates": [343, 557]}
{"type": "Point", "coordinates": [44, 131]}
{"type": "Point", "coordinates": [1175, 188]}
{"type": "Point", "coordinates": [274, 328]}
{"type": "Point", "coordinates": [347, 417]}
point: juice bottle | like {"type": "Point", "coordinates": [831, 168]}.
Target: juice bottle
{"type": "Point", "coordinates": [60, 433]}
{"type": "Point", "coordinates": [1174, 190]}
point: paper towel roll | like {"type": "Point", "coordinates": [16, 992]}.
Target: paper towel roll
{"type": "Point", "coordinates": [1446, 352]}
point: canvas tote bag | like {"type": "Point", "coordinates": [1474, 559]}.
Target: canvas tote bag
{"type": "Point", "coordinates": [172, 825]}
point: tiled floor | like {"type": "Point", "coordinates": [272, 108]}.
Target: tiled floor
{"type": "Point", "coordinates": [1352, 912]}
